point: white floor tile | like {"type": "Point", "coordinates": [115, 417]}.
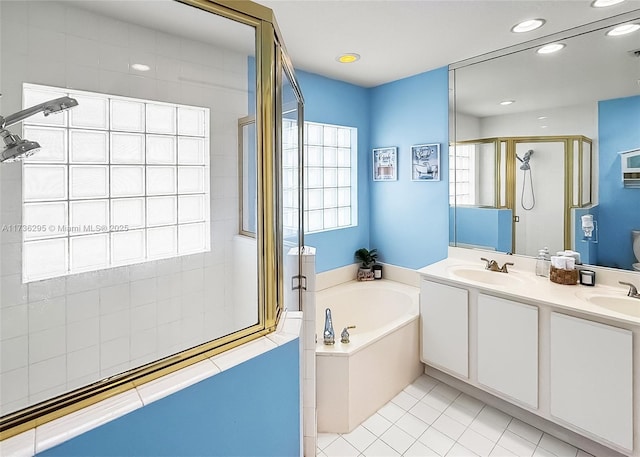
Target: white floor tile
{"type": "Point", "coordinates": [540, 452]}
{"type": "Point", "coordinates": [377, 424]}
{"type": "Point", "coordinates": [404, 400]}
{"type": "Point", "coordinates": [417, 390]}
{"type": "Point", "coordinates": [488, 430]}
{"type": "Point", "coordinates": [341, 448]}
{"type": "Point", "coordinates": [450, 427]}
{"type": "Point", "coordinates": [425, 412]}
{"type": "Point", "coordinates": [391, 412]}
{"type": "Point", "coordinates": [398, 439]}
{"type": "Point", "coordinates": [325, 439]}
{"type": "Point", "coordinates": [380, 449]}
{"type": "Point", "coordinates": [446, 391]}
{"type": "Point", "coordinates": [526, 431]}
{"type": "Point", "coordinates": [469, 403]}
{"type": "Point", "coordinates": [499, 451]}
{"type": "Point", "coordinates": [477, 443]}
{"type": "Point", "coordinates": [420, 450]}
{"type": "Point", "coordinates": [557, 447]}
{"type": "Point", "coordinates": [516, 444]}
{"type": "Point", "coordinates": [494, 416]}
{"type": "Point", "coordinates": [426, 383]}
{"type": "Point", "coordinates": [429, 419]}
{"type": "Point", "coordinates": [437, 441]}
{"type": "Point", "coordinates": [437, 401]}
{"type": "Point", "coordinates": [581, 453]}
{"type": "Point", "coordinates": [459, 450]}
{"type": "Point", "coordinates": [490, 423]}
{"type": "Point", "coordinates": [412, 425]}
{"type": "Point", "coordinates": [360, 438]}
{"type": "Point", "coordinates": [462, 415]}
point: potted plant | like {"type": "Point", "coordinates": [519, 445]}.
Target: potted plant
{"type": "Point", "coordinates": [366, 258]}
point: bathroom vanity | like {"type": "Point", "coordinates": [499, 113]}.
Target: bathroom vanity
{"type": "Point", "coordinates": [568, 354]}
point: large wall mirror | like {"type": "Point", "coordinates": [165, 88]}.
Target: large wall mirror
{"type": "Point", "coordinates": [536, 141]}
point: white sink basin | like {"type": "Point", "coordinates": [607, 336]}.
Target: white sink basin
{"type": "Point", "coordinates": [619, 304]}
{"type": "Point", "coordinates": [480, 275]}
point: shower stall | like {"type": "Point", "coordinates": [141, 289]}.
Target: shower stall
{"type": "Point", "coordinates": [524, 188]}
{"type": "Point", "coordinates": [123, 251]}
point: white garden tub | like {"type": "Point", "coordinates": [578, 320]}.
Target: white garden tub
{"type": "Point", "coordinates": [354, 380]}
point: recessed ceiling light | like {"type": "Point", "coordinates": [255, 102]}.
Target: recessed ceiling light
{"type": "Point", "coordinates": [349, 57]}
{"type": "Point", "coordinates": [543, 126]}
{"type": "Point", "coordinates": [542, 117]}
{"type": "Point", "coordinates": [550, 48]}
{"type": "Point", "coordinates": [603, 3]}
{"type": "Point", "coordinates": [507, 102]}
{"type": "Point", "coordinates": [140, 67]}
{"type": "Point", "coordinates": [623, 29]}
{"type": "Point", "coordinates": [528, 25]}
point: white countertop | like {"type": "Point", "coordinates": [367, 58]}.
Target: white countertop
{"type": "Point", "coordinates": [524, 285]}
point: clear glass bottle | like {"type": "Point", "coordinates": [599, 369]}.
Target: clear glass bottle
{"type": "Point", "coordinates": [543, 263]}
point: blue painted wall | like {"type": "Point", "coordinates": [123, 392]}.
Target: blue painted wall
{"type": "Point", "coordinates": [249, 410]}
{"type": "Point", "coordinates": [587, 248]}
{"type": "Point", "coordinates": [410, 220]}
{"type": "Point", "coordinates": [618, 130]}
{"type": "Point", "coordinates": [486, 227]}
{"type": "Point", "coordinates": [335, 102]}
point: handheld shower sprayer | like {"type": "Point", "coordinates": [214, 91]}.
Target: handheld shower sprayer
{"type": "Point", "coordinates": [16, 148]}
{"type": "Point", "coordinates": [525, 160]}
{"type": "Point", "coordinates": [526, 167]}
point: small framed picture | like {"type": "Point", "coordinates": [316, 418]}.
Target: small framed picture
{"type": "Point", "coordinates": [425, 162]}
{"type": "Point", "coordinates": [385, 164]}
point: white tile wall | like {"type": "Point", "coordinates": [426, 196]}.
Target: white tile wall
{"type": "Point", "coordinates": [72, 331]}
{"type": "Point", "coordinates": [309, 354]}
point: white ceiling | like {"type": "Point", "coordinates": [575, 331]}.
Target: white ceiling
{"type": "Point", "coordinates": [400, 38]}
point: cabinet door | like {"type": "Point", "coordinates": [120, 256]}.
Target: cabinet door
{"type": "Point", "coordinates": [508, 348]}
{"type": "Point", "coordinates": [591, 378]}
{"type": "Point", "coordinates": [445, 327]}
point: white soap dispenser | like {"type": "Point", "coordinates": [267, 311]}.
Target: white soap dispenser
{"type": "Point", "coordinates": [543, 263]}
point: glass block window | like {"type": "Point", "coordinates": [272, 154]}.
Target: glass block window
{"type": "Point", "coordinates": [118, 181]}
{"type": "Point", "coordinates": [330, 154]}
{"type": "Point", "coordinates": [462, 175]}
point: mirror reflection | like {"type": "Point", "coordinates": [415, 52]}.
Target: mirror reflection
{"type": "Point", "coordinates": [538, 141]}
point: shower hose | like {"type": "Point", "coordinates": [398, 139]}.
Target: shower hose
{"type": "Point", "coordinates": [533, 195]}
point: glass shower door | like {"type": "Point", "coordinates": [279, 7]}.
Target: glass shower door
{"type": "Point", "coordinates": [291, 197]}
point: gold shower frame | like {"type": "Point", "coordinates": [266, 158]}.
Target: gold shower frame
{"type": "Point", "coordinates": [271, 60]}
{"type": "Point", "coordinates": [571, 200]}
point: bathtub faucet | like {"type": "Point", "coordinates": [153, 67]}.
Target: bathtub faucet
{"type": "Point", "coordinates": [329, 334]}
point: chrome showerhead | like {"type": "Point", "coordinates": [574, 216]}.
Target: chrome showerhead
{"type": "Point", "coordinates": [525, 160]}
{"type": "Point", "coordinates": [16, 148]}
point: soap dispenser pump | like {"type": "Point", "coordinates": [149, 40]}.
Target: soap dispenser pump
{"type": "Point", "coordinates": [543, 263]}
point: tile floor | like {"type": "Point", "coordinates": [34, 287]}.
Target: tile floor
{"type": "Point", "coordinates": [430, 418]}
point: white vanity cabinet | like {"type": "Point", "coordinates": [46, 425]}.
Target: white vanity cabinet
{"type": "Point", "coordinates": [444, 317]}
{"type": "Point", "coordinates": [591, 377]}
{"type": "Point", "coordinates": [508, 348]}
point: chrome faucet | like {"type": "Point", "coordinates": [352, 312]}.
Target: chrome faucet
{"type": "Point", "coordinates": [344, 336]}
{"type": "Point", "coordinates": [329, 334]}
{"type": "Point", "coordinates": [633, 291]}
{"type": "Point", "coordinates": [493, 266]}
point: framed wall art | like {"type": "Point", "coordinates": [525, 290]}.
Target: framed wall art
{"type": "Point", "coordinates": [385, 164]}
{"type": "Point", "coordinates": [425, 162]}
